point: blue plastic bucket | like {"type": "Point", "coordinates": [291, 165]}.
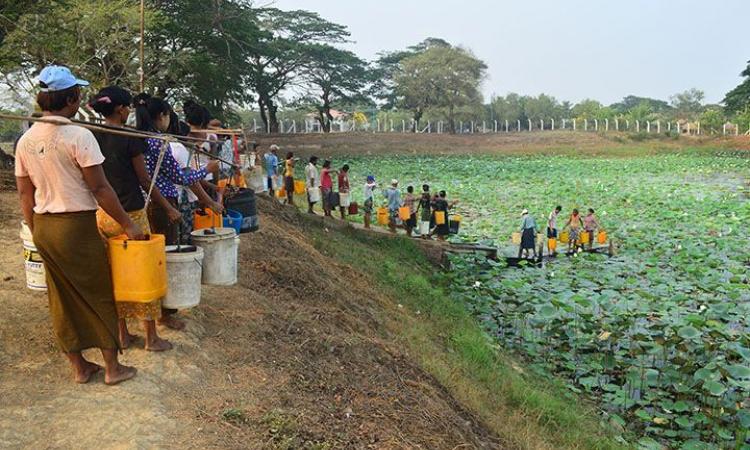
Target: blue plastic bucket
{"type": "Point", "coordinates": [233, 219]}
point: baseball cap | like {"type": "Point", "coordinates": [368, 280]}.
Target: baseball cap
{"type": "Point", "coordinates": [394, 182]}
{"type": "Point", "coordinates": [59, 78]}
{"type": "Point", "coordinates": [370, 178]}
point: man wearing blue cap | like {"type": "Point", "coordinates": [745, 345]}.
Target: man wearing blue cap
{"type": "Point", "coordinates": [61, 183]}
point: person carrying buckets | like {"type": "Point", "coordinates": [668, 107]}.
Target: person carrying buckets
{"type": "Point", "coordinates": [528, 234]}
{"type": "Point", "coordinates": [425, 212]}
{"type": "Point", "coordinates": [344, 194]}
{"type": "Point", "coordinates": [61, 183]}
{"type": "Point", "coordinates": [370, 186]}
{"type": "Point", "coordinates": [271, 159]}
{"type": "Point", "coordinates": [440, 207]}
{"type": "Point", "coordinates": [289, 163]}
{"type": "Point", "coordinates": [312, 181]}
{"type": "Point", "coordinates": [590, 225]}
{"type": "Point", "coordinates": [574, 224]}
{"type": "Point", "coordinates": [393, 199]}
{"type": "Point", "coordinates": [552, 233]}
{"type": "Point", "coordinates": [125, 168]}
{"type": "Point", "coordinates": [409, 211]}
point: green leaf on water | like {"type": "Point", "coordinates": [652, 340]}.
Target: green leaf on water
{"type": "Point", "coordinates": [738, 371]}
{"type": "Point", "coordinates": [714, 388]}
{"type": "Point", "coordinates": [688, 332]}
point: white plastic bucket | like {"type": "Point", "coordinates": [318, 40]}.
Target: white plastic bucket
{"type": "Point", "coordinates": [313, 194]}
{"type": "Point", "coordinates": [220, 249]}
{"type": "Point", "coordinates": [35, 275]}
{"type": "Point", "coordinates": [424, 227]}
{"type": "Point", "coordinates": [183, 277]}
{"type": "Point", "coordinates": [345, 199]}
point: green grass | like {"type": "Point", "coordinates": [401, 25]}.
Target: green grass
{"type": "Point", "coordinates": [526, 411]}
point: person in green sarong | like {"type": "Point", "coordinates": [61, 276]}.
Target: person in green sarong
{"type": "Point", "coordinates": [60, 184]}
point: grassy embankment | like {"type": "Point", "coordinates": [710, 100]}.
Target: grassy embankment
{"type": "Point", "coordinates": [444, 339]}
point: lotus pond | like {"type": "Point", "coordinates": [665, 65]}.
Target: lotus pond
{"type": "Point", "coordinates": [657, 335]}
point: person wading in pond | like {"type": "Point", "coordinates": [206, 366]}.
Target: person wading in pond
{"type": "Point", "coordinates": [552, 224]}
{"type": "Point", "coordinates": [312, 181]}
{"type": "Point", "coordinates": [528, 235]}
{"type": "Point", "coordinates": [125, 169]}
{"type": "Point", "coordinates": [61, 183]}
{"type": "Point", "coordinates": [575, 225]}
{"type": "Point", "coordinates": [343, 183]}
{"type": "Point", "coordinates": [154, 115]}
{"type": "Point", "coordinates": [590, 224]}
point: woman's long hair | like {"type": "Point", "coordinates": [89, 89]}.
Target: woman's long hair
{"type": "Point", "coordinates": [147, 109]}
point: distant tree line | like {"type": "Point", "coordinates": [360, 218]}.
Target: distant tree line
{"type": "Point", "coordinates": [239, 59]}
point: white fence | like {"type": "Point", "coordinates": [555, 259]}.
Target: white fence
{"type": "Point", "coordinates": [505, 126]}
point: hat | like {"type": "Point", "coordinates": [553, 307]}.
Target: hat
{"type": "Point", "coordinates": [394, 182]}
{"type": "Point", "coordinates": [59, 78]}
{"type": "Point", "coordinates": [370, 178]}
{"type": "Point", "coordinates": [524, 212]}
{"type": "Point", "coordinates": [272, 147]}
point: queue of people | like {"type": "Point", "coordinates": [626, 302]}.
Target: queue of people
{"type": "Point", "coordinates": [78, 188]}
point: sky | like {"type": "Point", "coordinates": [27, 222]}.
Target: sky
{"type": "Point", "coordinates": [571, 49]}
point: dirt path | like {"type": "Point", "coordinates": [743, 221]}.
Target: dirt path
{"type": "Point", "coordinates": [296, 355]}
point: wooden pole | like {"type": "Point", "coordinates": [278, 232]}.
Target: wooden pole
{"type": "Point", "coordinates": [143, 26]}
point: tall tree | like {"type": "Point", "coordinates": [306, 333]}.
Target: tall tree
{"type": "Point", "coordinates": [288, 42]}
{"type": "Point", "coordinates": [94, 38]}
{"type": "Point", "coordinates": [335, 77]}
{"type": "Point", "coordinates": [738, 99]}
{"type": "Point", "coordinates": [441, 77]}
{"type": "Point", "coordinates": [688, 104]}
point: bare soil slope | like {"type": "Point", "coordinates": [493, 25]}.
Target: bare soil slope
{"type": "Point", "coordinates": [296, 355]}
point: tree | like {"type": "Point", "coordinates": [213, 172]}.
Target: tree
{"type": "Point", "coordinates": [641, 112]}
{"type": "Point", "coordinates": [543, 107]}
{"type": "Point", "coordinates": [688, 104]}
{"type": "Point", "coordinates": [659, 107]}
{"type": "Point", "coordinates": [512, 108]}
{"type": "Point", "coordinates": [712, 120]}
{"type": "Point", "coordinates": [592, 109]}
{"type": "Point", "coordinates": [738, 99]}
{"type": "Point", "coordinates": [96, 39]}
{"type": "Point", "coordinates": [200, 51]}
{"type": "Point", "coordinates": [335, 77]}
{"type": "Point", "coordinates": [440, 77]}
{"type": "Point", "coordinates": [287, 44]}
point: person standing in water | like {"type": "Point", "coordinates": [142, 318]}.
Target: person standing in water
{"type": "Point", "coordinates": [575, 225]}
{"type": "Point", "coordinates": [528, 234]}
{"type": "Point", "coordinates": [590, 224]}
{"type": "Point", "coordinates": [552, 224]}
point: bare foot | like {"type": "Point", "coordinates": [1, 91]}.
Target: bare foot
{"type": "Point", "coordinates": [126, 339]}
{"type": "Point", "coordinates": [172, 323]}
{"type": "Point", "coordinates": [120, 374]}
{"type": "Point", "coordinates": [84, 375]}
{"type": "Point", "coordinates": [158, 345]}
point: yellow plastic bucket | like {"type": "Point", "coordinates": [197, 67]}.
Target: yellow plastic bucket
{"type": "Point", "coordinates": [382, 216]}
{"type": "Point", "coordinates": [456, 218]}
{"type": "Point", "coordinates": [299, 187]}
{"type": "Point", "coordinates": [601, 237]}
{"type": "Point", "coordinates": [206, 218]}
{"type": "Point", "coordinates": [564, 237]}
{"type": "Point", "coordinates": [552, 244]}
{"type": "Point", "coordinates": [139, 268]}
{"type": "Point", "coordinates": [404, 213]}
{"type": "Point", "coordinates": [584, 237]}
{"type": "Point", "coordinates": [439, 217]}
{"type": "Point", "coordinates": [281, 193]}
{"type": "Point", "coordinates": [516, 238]}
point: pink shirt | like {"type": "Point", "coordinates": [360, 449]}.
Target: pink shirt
{"type": "Point", "coordinates": [325, 179]}
{"type": "Point", "coordinates": [589, 222]}
{"type": "Point", "coordinates": [52, 156]}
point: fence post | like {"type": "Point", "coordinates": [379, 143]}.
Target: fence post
{"type": "Point", "coordinates": [472, 127]}
{"type": "Point", "coordinates": [563, 123]}
{"type": "Point", "coordinates": [638, 126]}
{"type": "Point", "coordinates": [529, 125]}
{"type": "Point", "coordinates": [688, 128]}
{"type": "Point", "coordinates": [617, 124]}
{"type": "Point", "coordinates": [596, 124]}
{"type": "Point", "coordinates": [484, 128]}
{"type": "Point", "coordinates": [737, 130]}
{"type": "Point", "coordinates": [506, 126]}
{"type": "Point", "coordinates": [648, 126]}
{"type": "Point", "coordinates": [553, 124]}
{"type": "Point", "coordinates": [496, 126]}
{"type": "Point", "coordinates": [519, 125]}
{"type": "Point", "coordinates": [585, 124]}
{"type": "Point", "coordinates": [699, 128]}
{"type": "Point", "coordinates": [574, 125]}
{"type": "Point", "coordinates": [606, 124]}
{"type": "Point", "coordinates": [541, 124]}
{"type": "Point", "coordinates": [658, 127]}
{"type": "Point", "coordinates": [627, 125]}
{"type": "Point", "coordinates": [669, 126]}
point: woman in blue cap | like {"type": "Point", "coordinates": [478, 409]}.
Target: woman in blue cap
{"type": "Point", "coordinates": [61, 183]}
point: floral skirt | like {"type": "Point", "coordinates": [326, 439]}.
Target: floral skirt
{"type": "Point", "coordinates": [109, 228]}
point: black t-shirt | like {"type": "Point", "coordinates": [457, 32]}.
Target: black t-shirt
{"type": "Point", "coordinates": [119, 152]}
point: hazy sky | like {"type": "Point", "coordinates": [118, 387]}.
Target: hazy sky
{"type": "Point", "coordinates": [572, 49]}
